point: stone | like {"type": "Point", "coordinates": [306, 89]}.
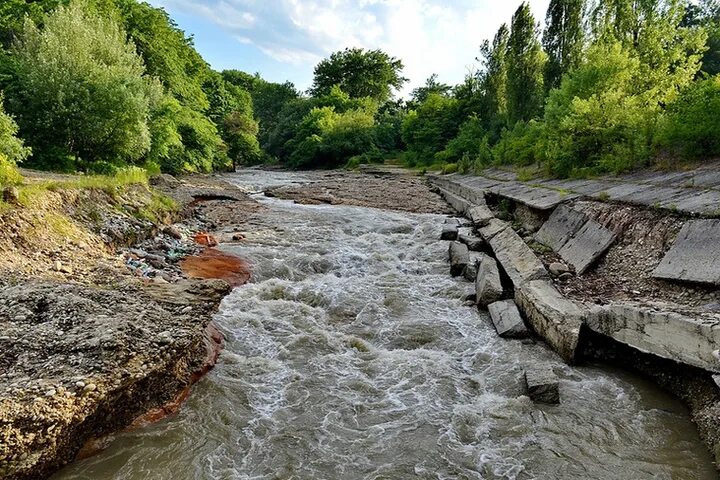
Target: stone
{"type": "Point", "coordinates": [695, 255]}
{"type": "Point", "coordinates": [557, 269]}
{"type": "Point", "coordinates": [542, 384]}
{"type": "Point", "coordinates": [57, 265]}
{"type": "Point", "coordinates": [552, 316]}
{"type": "Point", "coordinates": [666, 334]}
{"type": "Point", "coordinates": [480, 215]}
{"type": "Point", "coordinates": [470, 272]}
{"type": "Point", "coordinates": [452, 221]}
{"type": "Point", "coordinates": [493, 227]}
{"type": "Point", "coordinates": [566, 277]}
{"type": "Point", "coordinates": [449, 232]}
{"type": "Point", "coordinates": [517, 259]}
{"type": "Point", "coordinates": [11, 194]}
{"type": "Point", "coordinates": [488, 287]}
{"type": "Point", "coordinates": [529, 218]}
{"type": "Point", "coordinates": [459, 258]}
{"type": "Point", "coordinates": [457, 202]}
{"type": "Point", "coordinates": [587, 246]}
{"type": "Point", "coordinates": [474, 243]}
{"type": "Point", "coordinates": [173, 231]}
{"type": "Point", "coordinates": [560, 227]}
{"type": "Point", "coordinates": [507, 320]}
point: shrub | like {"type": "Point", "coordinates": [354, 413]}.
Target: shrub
{"type": "Point", "coordinates": [427, 130]}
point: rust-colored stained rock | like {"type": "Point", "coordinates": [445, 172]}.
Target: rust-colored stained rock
{"type": "Point", "coordinates": [213, 263]}
{"type": "Point", "coordinates": [205, 239]}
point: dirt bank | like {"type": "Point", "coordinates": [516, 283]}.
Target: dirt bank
{"type": "Point", "coordinates": [100, 327]}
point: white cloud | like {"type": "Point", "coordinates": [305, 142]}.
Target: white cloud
{"type": "Point", "coordinates": [430, 36]}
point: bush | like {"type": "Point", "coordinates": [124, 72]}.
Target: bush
{"type": "Point", "coordinates": [521, 146]}
{"type": "Point", "coordinates": [427, 130]}
{"type": "Point", "coordinates": [471, 138]}
{"type": "Point", "coordinates": [692, 124]}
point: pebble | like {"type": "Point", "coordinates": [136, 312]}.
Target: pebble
{"type": "Point", "coordinates": [80, 384]}
{"type": "Point", "coordinates": [187, 309]}
{"type": "Point", "coordinates": [50, 393]}
{"type": "Point", "coordinates": [90, 387]}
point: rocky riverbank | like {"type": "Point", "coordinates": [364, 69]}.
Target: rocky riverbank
{"type": "Point", "coordinates": [106, 305]}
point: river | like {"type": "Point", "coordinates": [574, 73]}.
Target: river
{"type": "Point", "coordinates": [350, 355]}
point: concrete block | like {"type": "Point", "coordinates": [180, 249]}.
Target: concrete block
{"type": "Point", "coordinates": [480, 215]}
{"type": "Point", "coordinates": [493, 227]}
{"type": "Point", "coordinates": [488, 287]}
{"type": "Point", "coordinates": [586, 246]}
{"type": "Point", "coordinates": [473, 242]}
{"type": "Point", "coordinates": [449, 231]}
{"type": "Point", "coordinates": [689, 340]}
{"type": "Point", "coordinates": [457, 202]}
{"type": "Point", "coordinates": [517, 259]}
{"type": "Point", "coordinates": [507, 320]}
{"type": "Point", "coordinates": [695, 255]}
{"type": "Point", "coordinates": [562, 224]}
{"type": "Point", "coordinates": [459, 258]}
{"type": "Point", "coordinates": [552, 316]}
{"type": "Point", "coordinates": [470, 272]}
{"type": "Point", "coordinates": [542, 384]}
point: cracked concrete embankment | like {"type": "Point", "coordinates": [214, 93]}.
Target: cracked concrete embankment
{"type": "Point", "coordinates": [583, 272]}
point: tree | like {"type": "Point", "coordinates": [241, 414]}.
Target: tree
{"type": "Point", "coordinates": [492, 101]}
{"type": "Point", "coordinates": [525, 65]}
{"type": "Point", "coordinates": [706, 15]}
{"type": "Point", "coordinates": [96, 100]}
{"type": "Point", "coordinates": [420, 94]}
{"type": "Point", "coordinates": [268, 99]}
{"type": "Point", "coordinates": [562, 39]}
{"type": "Point", "coordinates": [359, 73]}
{"type": "Point", "coordinates": [427, 130]}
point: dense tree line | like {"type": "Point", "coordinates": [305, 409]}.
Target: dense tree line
{"type": "Point", "coordinates": [606, 86]}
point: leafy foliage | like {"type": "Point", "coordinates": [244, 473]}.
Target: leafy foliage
{"type": "Point", "coordinates": [563, 39]}
{"type": "Point", "coordinates": [96, 100]}
{"type": "Point", "coordinates": [428, 129]}
{"type": "Point", "coordinates": [359, 73]}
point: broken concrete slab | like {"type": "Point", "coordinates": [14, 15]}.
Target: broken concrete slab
{"type": "Point", "coordinates": [517, 259]}
{"type": "Point", "coordinates": [562, 224]}
{"type": "Point", "coordinates": [449, 231]}
{"type": "Point", "coordinates": [670, 335]}
{"type": "Point", "coordinates": [542, 384]}
{"type": "Point", "coordinates": [554, 317]}
{"type": "Point", "coordinates": [493, 227]}
{"type": "Point", "coordinates": [695, 255]}
{"type": "Point", "coordinates": [470, 272]}
{"type": "Point", "coordinates": [452, 221]}
{"type": "Point", "coordinates": [473, 242]}
{"type": "Point", "coordinates": [459, 258]}
{"type": "Point", "coordinates": [587, 245]}
{"type": "Point", "coordinates": [507, 320]}
{"type": "Point", "coordinates": [488, 287]}
{"type": "Point", "coordinates": [480, 215]}
{"type": "Point", "coordinates": [455, 201]}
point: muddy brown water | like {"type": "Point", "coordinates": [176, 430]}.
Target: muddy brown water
{"type": "Point", "coordinates": [351, 356]}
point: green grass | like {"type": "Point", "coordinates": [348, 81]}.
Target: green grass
{"type": "Point", "coordinates": [160, 206]}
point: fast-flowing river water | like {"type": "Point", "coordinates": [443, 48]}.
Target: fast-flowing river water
{"type": "Point", "coordinates": [350, 355]}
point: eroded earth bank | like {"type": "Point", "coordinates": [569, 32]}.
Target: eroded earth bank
{"type": "Point", "coordinates": [352, 353]}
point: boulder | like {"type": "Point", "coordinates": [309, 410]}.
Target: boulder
{"type": "Point", "coordinates": [459, 258]}
{"type": "Point", "coordinates": [557, 269]}
{"type": "Point", "coordinates": [507, 320]}
{"type": "Point", "coordinates": [488, 287]}
{"type": "Point", "coordinates": [473, 242]}
{"type": "Point", "coordinates": [542, 384]}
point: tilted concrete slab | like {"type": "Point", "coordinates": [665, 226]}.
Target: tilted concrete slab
{"type": "Point", "coordinates": [562, 224]}
{"type": "Point", "coordinates": [459, 258]}
{"type": "Point", "coordinates": [586, 246]}
{"type": "Point", "coordinates": [554, 317]}
{"type": "Point", "coordinates": [506, 319]}
{"type": "Point", "coordinates": [695, 255]}
{"type": "Point", "coordinates": [517, 259]}
{"type": "Point", "coordinates": [493, 227]}
{"type": "Point", "coordinates": [480, 215]}
{"type": "Point", "coordinates": [457, 202]}
{"type": "Point", "coordinates": [666, 334]}
{"type": "Point", "coordinates": [488, 287]}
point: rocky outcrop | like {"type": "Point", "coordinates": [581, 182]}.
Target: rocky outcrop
{"type": "Point", "coordinates": [80, 362]}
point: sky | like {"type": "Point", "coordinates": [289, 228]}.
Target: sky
{"type": "Point", "coordinates": [285, 39]}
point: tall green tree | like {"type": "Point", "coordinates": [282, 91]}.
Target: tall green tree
{"type": "Point", "coordinates": [493, 81]}
{"type": "Point", "coordinates": [359, 73]}
{"type": "Point", "coordinates": [525, 67]}
{"type": "Point", "coordinates": [563, 39]}
{"type": "Point", "coordinates": [432, 85]}
{"type": "Point", "coordinates": [80, 91]}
